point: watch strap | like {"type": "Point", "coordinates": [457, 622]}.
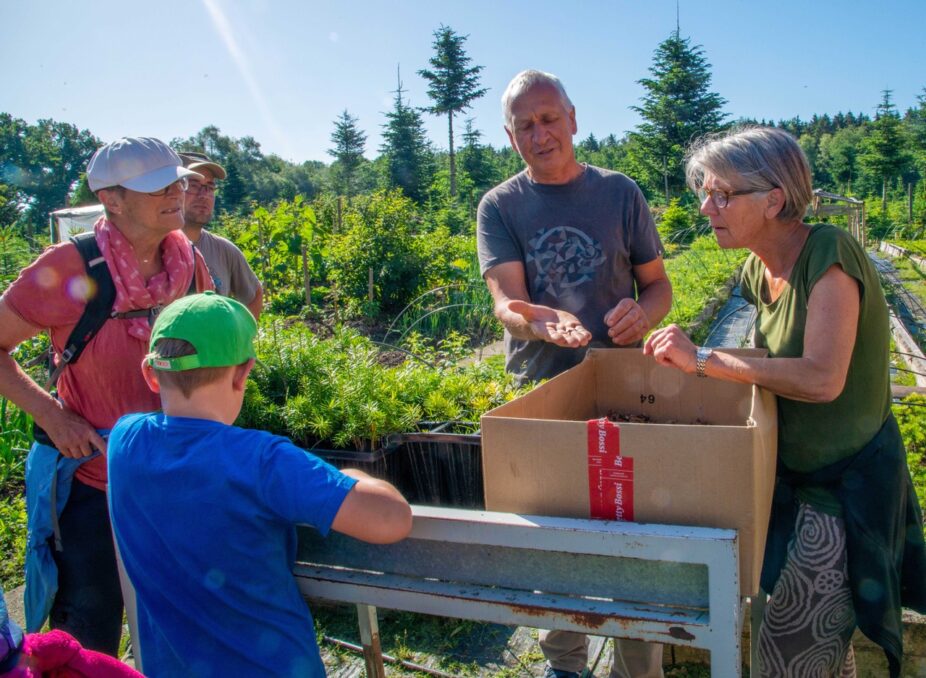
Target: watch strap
{"type": "Point", "coordinates": [701, 358]}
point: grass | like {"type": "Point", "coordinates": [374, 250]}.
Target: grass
{"type": "Point", "coordinates": [912, 276]}
{"type": "Point", "coordinates": [459, 647]}
{"type": "Point", "coordinates": [698, 275]}
{"type": "Point", "coordinates": [15, 438]}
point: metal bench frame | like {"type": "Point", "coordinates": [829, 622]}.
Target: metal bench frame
{"type": "Point", "coordinates": [657, 583]}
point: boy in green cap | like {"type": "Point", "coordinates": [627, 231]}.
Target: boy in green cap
{"type": "Point", "coordinates": [204, 512]}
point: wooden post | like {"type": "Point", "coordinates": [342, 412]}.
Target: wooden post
{"type": "Point", "coordinates": [370, 284]}
{"type": "Point", "coordinates": [910, 203]}
{"type": "Point", "coordinates": [305, 277]}
{"type": "Point", "coordinates": [263, 259]}
{"type": "Point", "coordinates": [369, 639]}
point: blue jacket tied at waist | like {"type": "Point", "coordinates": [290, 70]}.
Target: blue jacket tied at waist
{"type": "Point", "coordinates": [48, 484]}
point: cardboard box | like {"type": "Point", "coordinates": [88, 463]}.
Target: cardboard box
{"type": "Point", "coordinates": [706, 457]}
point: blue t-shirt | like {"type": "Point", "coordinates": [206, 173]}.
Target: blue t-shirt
{"type": "Point", "coordinates": [204, 516]}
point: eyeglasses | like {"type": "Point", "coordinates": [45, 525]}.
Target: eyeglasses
{"type": "Point", "coordinates": [721, 197]}
{"type": "Point", "coordinates": [198, 188]}
{"type": "Point", "coordinates": [183, 183]}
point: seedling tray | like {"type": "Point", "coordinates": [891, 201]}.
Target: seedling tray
{"type": "Point", "coordinates": [441, 467]}
{"type": "Point", "coordinates": [382, 462]}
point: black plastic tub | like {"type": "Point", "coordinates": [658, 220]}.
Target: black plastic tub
{"type": "Point", "coordinates": [441, 467]}
{"type": "Point", "coordinates": [383, 462]}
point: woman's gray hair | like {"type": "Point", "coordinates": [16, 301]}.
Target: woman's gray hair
{"type": "Point", "coordinates": [522, 82]}
{"type": "Point", "coordinates": [752, 157]}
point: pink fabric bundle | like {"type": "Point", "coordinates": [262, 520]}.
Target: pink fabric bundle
{"type": "Point", "coordinates": [56, 654]}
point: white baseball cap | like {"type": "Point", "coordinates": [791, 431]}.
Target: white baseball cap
{"type": "Point", "coordinates": [142, 164]}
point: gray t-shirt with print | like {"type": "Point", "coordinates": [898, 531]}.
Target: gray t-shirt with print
{"type": "Point", "coordinates": [578, 243]}
{"type": "Point", "coordinates": [228, 267]}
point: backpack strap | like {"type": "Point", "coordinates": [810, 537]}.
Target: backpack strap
{"type": "Point", "coordinates": [98, 308]}
{"type": "Point", "coordinates": [192, 288]}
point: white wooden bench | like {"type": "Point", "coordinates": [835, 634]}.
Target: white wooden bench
{"type": "Point", "coordinates": [668, 584]}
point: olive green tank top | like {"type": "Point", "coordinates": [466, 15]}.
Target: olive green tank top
{"type": "Point", "coordinates": [814, 435]}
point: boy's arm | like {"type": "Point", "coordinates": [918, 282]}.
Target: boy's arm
{"type": "Point", "coordinates": [373, 511]}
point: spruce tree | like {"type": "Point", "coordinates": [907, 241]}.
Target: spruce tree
{"type": "Point", "coordinates": [452, 84]}
{"type": "Point", "coordinates": [916, 122]}
{"type": "Point", "coordinates": [884, 150]}
{"type": "Point", "coordinates": [476, 159]}
{"type": "Point", "coordinates": [349, 141]}
{"type": "Point", "coordinates": [406, 149]}
{"type": "Point", "coordinates": [677, 108]}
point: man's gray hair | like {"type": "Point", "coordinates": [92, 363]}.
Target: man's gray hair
{"type": "Point", "coordinates": [755, 158]}
{"type": "Point", "coordinates": [522, 82]}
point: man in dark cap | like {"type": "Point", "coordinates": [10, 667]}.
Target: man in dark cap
{"type": "Point", "coordinates": [230, 271]}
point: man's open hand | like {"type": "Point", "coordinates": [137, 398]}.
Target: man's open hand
{"type": "Point", "coordinates": [552, 325]}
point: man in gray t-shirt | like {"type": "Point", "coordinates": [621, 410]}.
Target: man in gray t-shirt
{"type": "Point", "coordinates": [569, 251]}
{"type": "Point", "coordinates": [571, 256]}
{"type": "Point", "coordinates": [229, 269]}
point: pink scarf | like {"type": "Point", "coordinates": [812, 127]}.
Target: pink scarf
{"type": "Point", "coordinates": [132, 292]}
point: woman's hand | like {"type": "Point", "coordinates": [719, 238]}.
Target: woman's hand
{"type": "Point", "coordinates": [670, 346]}
{"type": "Point", "coordinates": [72, 434]}
{"type": "Point", "coordinates": [551, 324]}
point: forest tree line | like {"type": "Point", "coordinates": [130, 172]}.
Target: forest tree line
{"type": "Point", "coordinates": [880, 158]}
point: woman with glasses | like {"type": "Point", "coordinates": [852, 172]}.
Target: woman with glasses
{"type": "Point", "coordinates": [845, 544]}
{"type": "Point", "coordinates": [71, 572]}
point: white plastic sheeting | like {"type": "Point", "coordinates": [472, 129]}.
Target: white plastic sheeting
{"type": "Point", "coordinates": [66, 222]}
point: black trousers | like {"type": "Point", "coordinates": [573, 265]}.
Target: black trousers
{"type": "Point", "coordinates": [88, 604]}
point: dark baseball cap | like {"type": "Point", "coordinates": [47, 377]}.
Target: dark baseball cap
{"type": "Point", "coordinates": [193, 161]}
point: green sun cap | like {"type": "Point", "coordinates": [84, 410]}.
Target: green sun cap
{"type": "Point", "coordinates": [221, 330]}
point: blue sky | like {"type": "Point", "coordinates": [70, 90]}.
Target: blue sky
{"type": "Point", "coordinates": [281, 71]}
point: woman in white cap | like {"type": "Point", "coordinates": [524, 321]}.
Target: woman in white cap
{"type": "Point", "coordinates": [71, 573]}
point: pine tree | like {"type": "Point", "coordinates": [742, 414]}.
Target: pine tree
{"type": "Point", "coordinates": [407, 152]}
{"type": "Point", "coordinates": [916, 121]}
{"type": "Point", "coordinates": [477, 159]}
{"type": "Point", "coordinates": [452, 84]}
{"type": "Point", "coordinates": [677, 108]}
{"type": "Point", "coordinates": [349, 142]}
{"type": "Point", "coordinates": [884, 151]}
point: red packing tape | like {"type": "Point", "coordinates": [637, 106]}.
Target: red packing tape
{"type": "Point", "coordinates": [610, 476]}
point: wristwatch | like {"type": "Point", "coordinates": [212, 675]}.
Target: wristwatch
{"type": "Point", "coordinates": [701, 357]}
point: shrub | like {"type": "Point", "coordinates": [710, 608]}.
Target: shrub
{"type": "Point", "coordinates": [912, 423]}
{"type": "Point", "coordinates": [289, 301]}
{"type": "Point", "coordinates": [377, 237]}
{"type": "Point", "coordinates": [675, 224]}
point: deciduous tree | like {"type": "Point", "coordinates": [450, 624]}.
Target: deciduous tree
{"type": "Point", "coordinates": [42, 163]}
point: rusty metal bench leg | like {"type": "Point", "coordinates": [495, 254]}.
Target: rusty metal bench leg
{"type": "Point", "coordinates": [369, 639]}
